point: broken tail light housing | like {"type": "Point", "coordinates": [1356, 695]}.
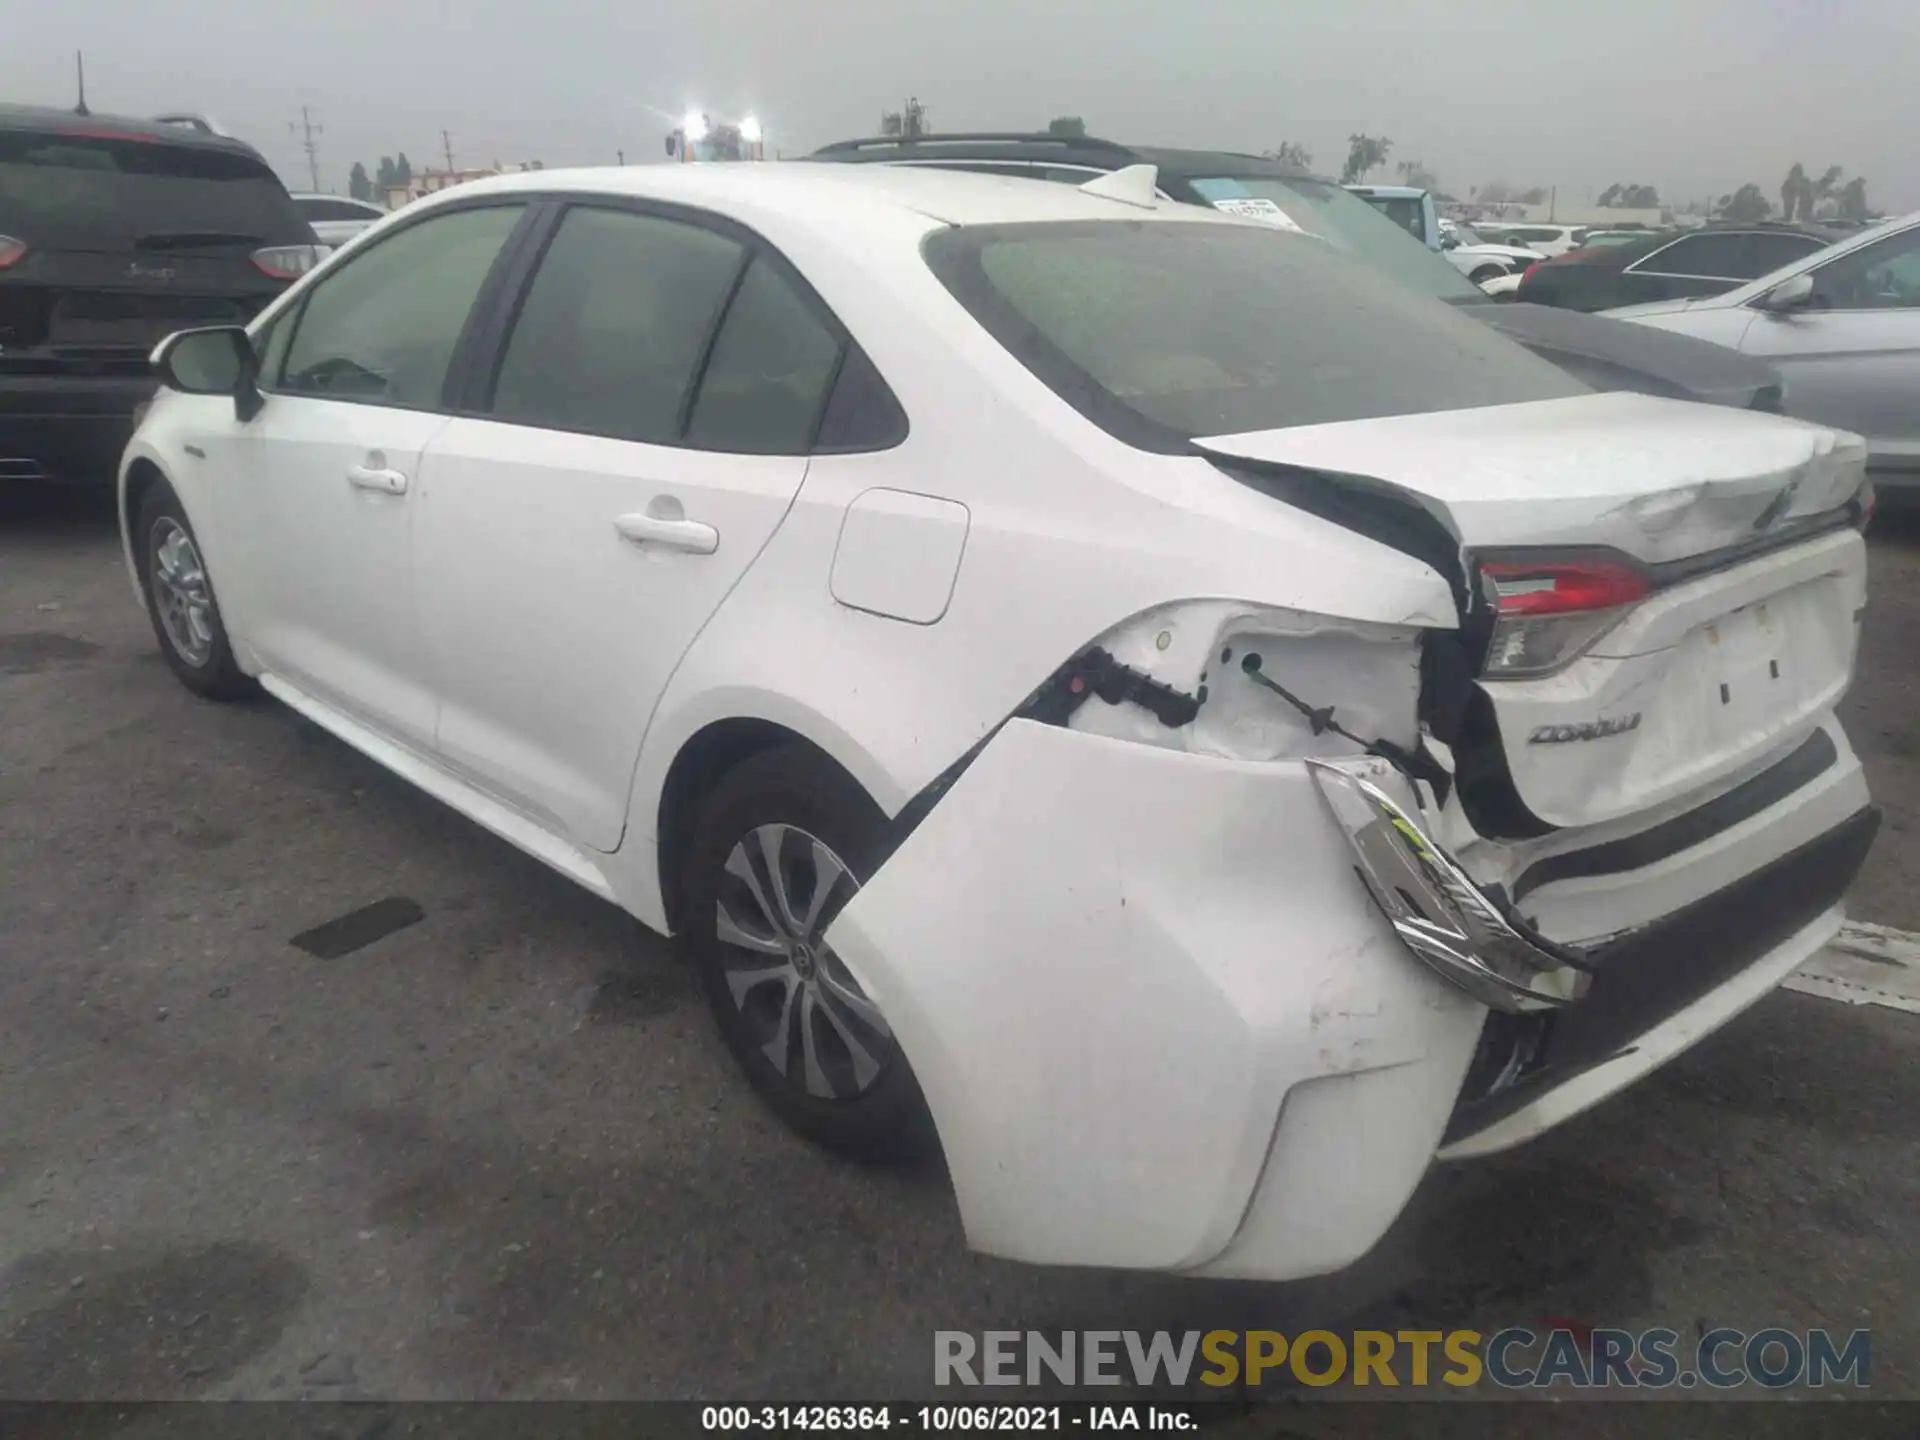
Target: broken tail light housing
{"type": "Point", "coordinates": [288, 262]}
{"type": "Point", "coordinates": [1548, 610]}
{"type": "Point", "coordinates": [11, 250]}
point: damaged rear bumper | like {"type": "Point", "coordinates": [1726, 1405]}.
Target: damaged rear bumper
{"type": "Point", "coordinates": [1435, 909]}
{"type": "Point", "coordinates": [1182, 1013]}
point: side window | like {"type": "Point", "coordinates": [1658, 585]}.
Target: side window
{"type": "Point", "coordinates": [1766, 253]}
{"type": "Point", "coordinates": [613, 328]}
{"type": "Point", "coordinates": [384, 327]}
{"type": "Point", "coordinates": [767, 377]}
{"type": "Point", "coordinates": [1882, 276]}
{"type": "Point", "coordinates": [861, 413]}
{"type": "Point", "coordinates": [271, 344]}
{"type": "Point", "coordinates": [1714, 257]}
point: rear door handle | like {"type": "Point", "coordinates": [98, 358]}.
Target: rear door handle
{"type": "Point", "coordinates": [689, 535]}
{"type": "Point", "coordinates": [387, 482]}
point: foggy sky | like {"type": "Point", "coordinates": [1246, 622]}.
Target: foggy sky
{"type": "Point", "coordinates": [1694, 96]}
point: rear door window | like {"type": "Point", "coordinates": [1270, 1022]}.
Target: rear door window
{"type": "Point", "coordinates": [1766, 253]}
{"type": "Point", "coordinates": [1163, 331]}
{"type": "Point", "coordinates": [1708, 257]}
{"type": "Point", "coordinates": [766, 380]}
{"type": "Point", "coordinates": [81, 190]}
{"type": "Point", "coordinates": [614, 328]}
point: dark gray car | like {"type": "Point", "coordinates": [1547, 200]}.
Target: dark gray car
{"type": "Point", "coordinates": [1606, 354]}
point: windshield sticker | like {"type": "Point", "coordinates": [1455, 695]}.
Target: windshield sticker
{"type": "Point", "coordinates": [1259, 210]}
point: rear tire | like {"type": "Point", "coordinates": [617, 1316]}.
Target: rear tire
{"type": "Point", "coordinates": [1486, 273]}
{"type": "Point", "coordinates": [180, 599]}
{"type": "Point", "coordinates": [781, 825]}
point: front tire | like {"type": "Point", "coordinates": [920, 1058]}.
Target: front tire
{"type": "Point", "coordinates": [1486, 273]}
{"type": "Point", "coordinates": [180, 600]}
{"type": "Point", "coordinates": [782, 845]}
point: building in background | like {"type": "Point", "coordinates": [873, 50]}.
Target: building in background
{"type": "Point", "coordinates": [430, 182]}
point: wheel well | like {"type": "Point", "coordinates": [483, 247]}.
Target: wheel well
{"type": "Point", "coordinates": [1486, 273]}
{"type": "Point", "coordinates": [142, 476]}
{"type": "Point", "coordinates": [699, 767]}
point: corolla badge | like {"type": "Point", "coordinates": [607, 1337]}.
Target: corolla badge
{"type": "Point", "coordinates": [1589, 730]}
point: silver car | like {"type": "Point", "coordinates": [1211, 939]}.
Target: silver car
{"type": "Point", "coordinates": [1842, 327]}
{"type": "Point", "coordinates": [336, 219]}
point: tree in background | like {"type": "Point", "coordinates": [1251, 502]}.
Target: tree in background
{"type": "Point", "coordinates": [1534, 195]}
{"type": "Point", "coordinates": [1746, 203]}
{"type": "Point", "coordinates": [1827, 187]}
{"type": "Point", "coordinates": [1291, 152]}
{"type": "Point", "coordinates": [1629, 197]}
{"type": "Point", "coordinates": [358, 185]}
{"type": "Point", "coordinates": [402, 170]}
{"type": "Point", "coordinates": [1796, 192]}
{"type": "Point", "coordinates": [1415, 173]}
{"type": "Point", "coordinates": [1853, 199]}
{"type": "Point", "coordinates": [1070, 127]}
{"type": "Point", "coordinates": [909, 123]}
{"type": "Point", "coordinates": [383, 175]}
{"type": "Point", "coordinates": [1364, 153]}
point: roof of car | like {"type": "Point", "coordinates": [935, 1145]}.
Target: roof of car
{"type": "Point", "coordinates": [47, 119]}
{"type": "Point", "coordinates": [1391, 192]}
{"type": "Point", "coordinates": [833, 193]}
{"type": "Point", "coordinates": [1087, 150]}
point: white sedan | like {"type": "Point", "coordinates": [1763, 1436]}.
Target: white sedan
{"type": "Point", "coordinates": [1208, 732]}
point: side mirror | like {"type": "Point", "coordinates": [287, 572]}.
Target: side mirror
{"type": "Point", "coordinates": [1794, 294]}
{"type": "Point", "coordinates": [218, 360]}
{"type": "Point", "coordinates": [1449, 242]}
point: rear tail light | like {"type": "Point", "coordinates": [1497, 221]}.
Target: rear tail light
{"type": "Point", "coordinates": [1548, 611]}
{"type": "Point", "coordinates": [1527, 274]}
{"type": "Point", "coordinates": [289, 262]}
{"type": "Point", "coordinates": [11, 250]}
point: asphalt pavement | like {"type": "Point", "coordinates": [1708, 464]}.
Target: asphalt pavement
{"type": "Point", "coordinates": [498, 1153]}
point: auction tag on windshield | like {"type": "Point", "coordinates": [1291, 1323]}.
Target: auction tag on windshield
{"type": "Point", "coordinates": [1259, 210]}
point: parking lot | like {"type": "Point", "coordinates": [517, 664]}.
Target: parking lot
{"type": "Point", "coordinates": [499, 1152]}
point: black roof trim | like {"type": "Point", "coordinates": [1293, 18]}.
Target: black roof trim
{"type": "Point", "coordinates": [972, 137]}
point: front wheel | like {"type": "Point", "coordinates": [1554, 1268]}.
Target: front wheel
{"type": "Point", "coordinates": [780, 849]}
{"type": "Point", "coordinates": [180, 601]}
{"type": "Point", "coordinates": [1486, 273]}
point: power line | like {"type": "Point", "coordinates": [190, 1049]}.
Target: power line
{"type": "Point", "coordinates": [307, 130]}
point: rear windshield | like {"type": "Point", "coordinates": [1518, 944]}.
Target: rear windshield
{"type": "Point", "coordinates": [1161, 331]}
{"type": "Point", "coordinates": [1346, 222]}
{"type": "Point", "coordinates": [90, 192]}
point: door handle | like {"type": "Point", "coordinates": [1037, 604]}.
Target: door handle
{"type": "Point", "coordinates": [689, 535]}
{"type": "Point", "coordinates": [387, 482]}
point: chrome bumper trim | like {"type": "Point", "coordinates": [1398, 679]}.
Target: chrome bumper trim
{"type": "Point", "coordinates": [1434, 907]}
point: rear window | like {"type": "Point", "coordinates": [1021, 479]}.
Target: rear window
{"type": "Point", "coordinates": [1406, 211]}
{"type": "Point", "coordinates": [1161, 331]}
{"type": "Point", "coordinates": [80, 191]}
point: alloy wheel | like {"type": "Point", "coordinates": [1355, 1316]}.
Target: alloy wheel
{"type": "Point", "coordinates": [180, 591]}
{"type": "Point", "coordinates": [812, 1021]}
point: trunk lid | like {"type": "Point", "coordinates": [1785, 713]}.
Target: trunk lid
{"type": "Point", "coordinates": [1744, 640]}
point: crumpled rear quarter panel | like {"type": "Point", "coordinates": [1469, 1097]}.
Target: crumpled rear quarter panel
{"type": "Point", "coordinates": [1109, 964]}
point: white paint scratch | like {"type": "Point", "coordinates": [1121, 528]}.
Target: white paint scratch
{"type": "Point", "coordinates": [1865, 965]}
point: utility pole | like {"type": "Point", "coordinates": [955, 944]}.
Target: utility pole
{"type": "Point", "coordinates": [623, 156]}
{"type": "Point", "coordinates": [307, 130]}
{"type": "Point", "coordinates": [80, 74]}
{"type": "Point", "coordinates": [446, 144]}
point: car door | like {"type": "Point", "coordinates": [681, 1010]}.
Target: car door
{"type": "Point", "coordinates": [643, 434]}
{"type": "Point", "coordinates": [1702, 264]}
{"type": "Point", "coordinates": [318, 491]}
{"type": "Point", "coordinates": [1851, 357]}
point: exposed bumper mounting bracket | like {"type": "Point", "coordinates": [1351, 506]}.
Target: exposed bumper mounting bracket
{"type": "Point", "coordinates": [1435, 908]}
